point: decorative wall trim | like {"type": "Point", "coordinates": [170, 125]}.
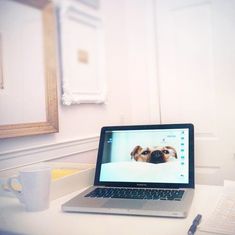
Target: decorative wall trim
{"type": "Point", "coordinates": [83, 52]}
{"type": "Point", "coordinates": [22, 157]}
{"type": "Point", "coordinates": [1, 64]}
{"type": "Point", "coordinates": [91, 3]}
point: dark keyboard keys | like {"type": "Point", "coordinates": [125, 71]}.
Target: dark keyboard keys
{"type": "Point", "coordinates": [145, 194]}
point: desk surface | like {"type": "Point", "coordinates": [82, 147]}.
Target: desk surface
{"type": "Point", "coordinates": [15, 219]}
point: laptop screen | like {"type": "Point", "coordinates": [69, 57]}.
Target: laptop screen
{"type": "Point", "coordinates": [142, 155]}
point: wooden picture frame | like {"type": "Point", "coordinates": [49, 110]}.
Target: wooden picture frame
{"type": "Point", "coordinates": [82, 56]}
{"type": "Point", "coordinates": [50, 125]}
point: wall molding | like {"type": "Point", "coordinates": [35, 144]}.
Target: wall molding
{"type": "Point", "coordinates": [22, 157]}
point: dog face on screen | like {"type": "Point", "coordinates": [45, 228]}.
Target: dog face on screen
{"type": "Point", "coordinates": [155, 155]}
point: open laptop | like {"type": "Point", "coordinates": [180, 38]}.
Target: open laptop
{"type": "Point", "coordinates": [141, 170]}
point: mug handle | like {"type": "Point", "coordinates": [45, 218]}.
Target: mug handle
{"type": "Point", "coordinates": [17, 193]}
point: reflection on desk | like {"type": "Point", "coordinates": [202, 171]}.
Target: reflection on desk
{"type": "Point", "coordinates": [13, 218]}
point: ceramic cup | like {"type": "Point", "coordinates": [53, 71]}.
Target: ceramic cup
{"type": "Point", "coordinates": [35, 187]}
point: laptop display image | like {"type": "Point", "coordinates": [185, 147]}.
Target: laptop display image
{"type": "Point", "coordinates": [141, 170]}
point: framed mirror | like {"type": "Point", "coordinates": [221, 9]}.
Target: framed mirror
{"type": "Point", "coordinates": [28, 77]}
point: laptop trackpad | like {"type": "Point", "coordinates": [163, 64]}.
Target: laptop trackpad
{"type": "Point", "coordinates": [128, 204]}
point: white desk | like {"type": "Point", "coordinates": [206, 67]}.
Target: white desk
{"type": "Point", "coordinates": [53, 221]}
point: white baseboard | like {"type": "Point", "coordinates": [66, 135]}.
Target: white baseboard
{"type": "Point", "coordinates": [18, 158]}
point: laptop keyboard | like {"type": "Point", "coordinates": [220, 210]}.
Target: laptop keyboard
{"type": "Point", "coordinates": [146, 194]}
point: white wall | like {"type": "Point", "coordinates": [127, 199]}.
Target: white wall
{"type": "Point", "coordinates": [131, 82]}
{"type": "Point", "coordinates": [18, 86]}
{"type": "Point", "coordinates": [133, 93]}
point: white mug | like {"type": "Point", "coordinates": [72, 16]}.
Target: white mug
{"type": "Point", "coordinates": [35, 183]}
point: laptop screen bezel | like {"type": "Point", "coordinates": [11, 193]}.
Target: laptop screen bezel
{"type": "Point", "coordinates": [190, 183]}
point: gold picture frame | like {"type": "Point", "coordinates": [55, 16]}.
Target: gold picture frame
{"type": "Point", "coordinates": [50, 125]}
